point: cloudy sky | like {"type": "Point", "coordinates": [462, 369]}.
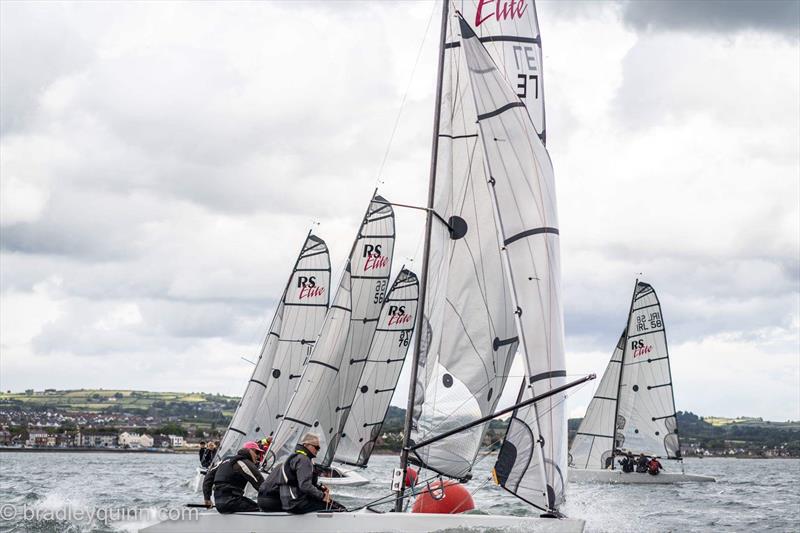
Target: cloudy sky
{"type": "Point", "coordinates": [161, 164]}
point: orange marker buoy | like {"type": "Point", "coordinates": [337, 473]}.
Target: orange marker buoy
{"type": "Point", "coordinates": [450, 497]}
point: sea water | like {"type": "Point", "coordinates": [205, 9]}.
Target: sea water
{"type": "Point", "coordinates": [77, 492]}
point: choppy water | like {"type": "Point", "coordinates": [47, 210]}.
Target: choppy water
{"type": "Point", "coordinates": [70, 492]}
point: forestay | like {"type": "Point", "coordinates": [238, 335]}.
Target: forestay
{"type": "Point", "coordinates": [322, 400]}
{"type": "Point", "coordinates": [522, 186]}
{"type": "Point", "coordinates": [382, 368]}
{"type": "Point", "coordinates": [469, 335]}
{"type": "Point", "coordinates": [593, 444]}
{"type": "Point", "coordinates": [646, 421]}
{"type": "Point", "coordinates": [297, 321]}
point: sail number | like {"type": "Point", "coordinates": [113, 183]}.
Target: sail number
{"type": "Point", "coordinates": [525, 58]}
{"type": "Point", "coordinates": [405, 336]}
{"type": "Point", "coordinates": [647, 322]}
{"type": "Point", "coordinates": [380, 291]}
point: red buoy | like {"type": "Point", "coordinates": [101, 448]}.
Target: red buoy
{"type": "Point", "coordinates": [411, 477]}
{"type": "Point", "coordinates": [450, 497]}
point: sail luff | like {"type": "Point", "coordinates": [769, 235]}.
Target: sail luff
{"type": "Point", "coordinates": [622, 372]}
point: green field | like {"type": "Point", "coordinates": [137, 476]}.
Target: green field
{"type": "Point", "coordinates": [102, 399]}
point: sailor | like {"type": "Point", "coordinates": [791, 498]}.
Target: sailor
{"type": "Point", "coordinates": [654, 466]}
{"type": "Point", "coordinates": [296, 486]}
{"type": "Point", "coordinates": [641, 463]}
{"type": "Point", "coordinates": [207, 453]}
{"type": "Point", "coordinates": [231, 476]}
{"type": "Point", "coordinates": [627, 463]}
{"type": "Point", "coordinates": [203, 452]}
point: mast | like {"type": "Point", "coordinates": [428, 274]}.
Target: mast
{"type": "Point", "coordinates": [622, 369]}
{"type": "Point", "coordinates": [420, 325]}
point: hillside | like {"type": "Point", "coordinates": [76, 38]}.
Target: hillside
{"type": "Point", "coordinates": [200, 413]}
{"type": "Point", "coordinates": [126, 400]}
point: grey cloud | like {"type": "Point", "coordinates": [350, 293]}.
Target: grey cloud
{"type": "Point", "coordinates": [718, 16]}
{"type": "Point", "coordinates": [36, 49]}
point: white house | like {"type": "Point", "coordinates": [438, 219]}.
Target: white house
{"type": "Point", "coordinates": [176, 441]}
{"type": "Point", "coordinates": [135, 440]}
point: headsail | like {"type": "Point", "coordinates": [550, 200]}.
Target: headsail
{"type": "Point", "coordinates": [294, 329]}
{"type": "Point", "coordinates": [381, 372]}
{"type": "Point", "coordinates": [593, 445]}
{"type": "Point", "coordinates": [646, 421]}
{"type": "Point", "coordinates": [326, 390]}
{"type": "Point", "coordinates": [522, 187]}
{"type": "Point", "coordinates": [469, 322]}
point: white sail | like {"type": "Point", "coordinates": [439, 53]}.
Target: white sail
{"type": "Point", "coordinates": [303, 413]}
{"type": "Point", "coordinates": [371, 263]}
{"type": "Point", "coordinates": [323, 397]}
{"type": "Point", "coordinates": [469, 330]}
{"type": "Point", "coordinates": [646, 421]}
{"type": "Point", "coordinates": [593, 445]}
{"type": "Point", "coordinates": [298, 319]}
{"type": "Point", "coordinates": [385, 360]}
{"type": "Point", "coordinates": [510, 32]}
{"type": "Point", "coordinates": [523, 189]}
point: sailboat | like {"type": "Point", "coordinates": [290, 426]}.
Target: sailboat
{"type": "Point", "coordinates": [633, 409]}
{"type": "Point", "coordinates": [489, 289]}
{"type": "Point", "coordinates": [291, 336]}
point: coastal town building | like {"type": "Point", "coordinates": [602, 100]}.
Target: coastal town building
{"type": "Point", "coordinates": [98, 439]}
{"type": "Point", "coordinates": [135, 440]}
{"type": "Point", "coordinates": [38, 438]}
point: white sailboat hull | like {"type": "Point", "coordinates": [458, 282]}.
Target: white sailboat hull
{"type": "Point", "coordinates": [347, 478]}
{"type": "Point", "coordinates": [618, 476]}
{"type": "Point", "coordinates": [213, 522]}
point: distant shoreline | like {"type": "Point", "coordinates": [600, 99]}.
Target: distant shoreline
{"type": "Point", "coordinates": [92, 450]}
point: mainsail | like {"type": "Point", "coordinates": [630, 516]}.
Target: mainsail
{"type": "Point", "coordinates": [326, 391]}
{"type": "Point", "coordinates": [384, 362]}
{"type": "Point", "coordinates": [469, 332]}
{"type": "Point", "coordinates": [297, 321]}
{"type": "Point", "coordinates": [646, 421]}
{"type": "Point", "coordinates": [634, 407]}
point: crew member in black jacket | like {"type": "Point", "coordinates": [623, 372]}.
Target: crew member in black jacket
{"type": "Point", "coordinates": [294, 484]}
{"type": "Point", "coordinates": [230, 477]}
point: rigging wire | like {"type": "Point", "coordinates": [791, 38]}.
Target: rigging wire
{"type": "Point", "coordinates": [379, 176]}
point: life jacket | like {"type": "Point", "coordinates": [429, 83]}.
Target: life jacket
{"type": "Point", "coordinates": [653, 466]}
{"type": "Point", "coordinates": [229, 481]}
